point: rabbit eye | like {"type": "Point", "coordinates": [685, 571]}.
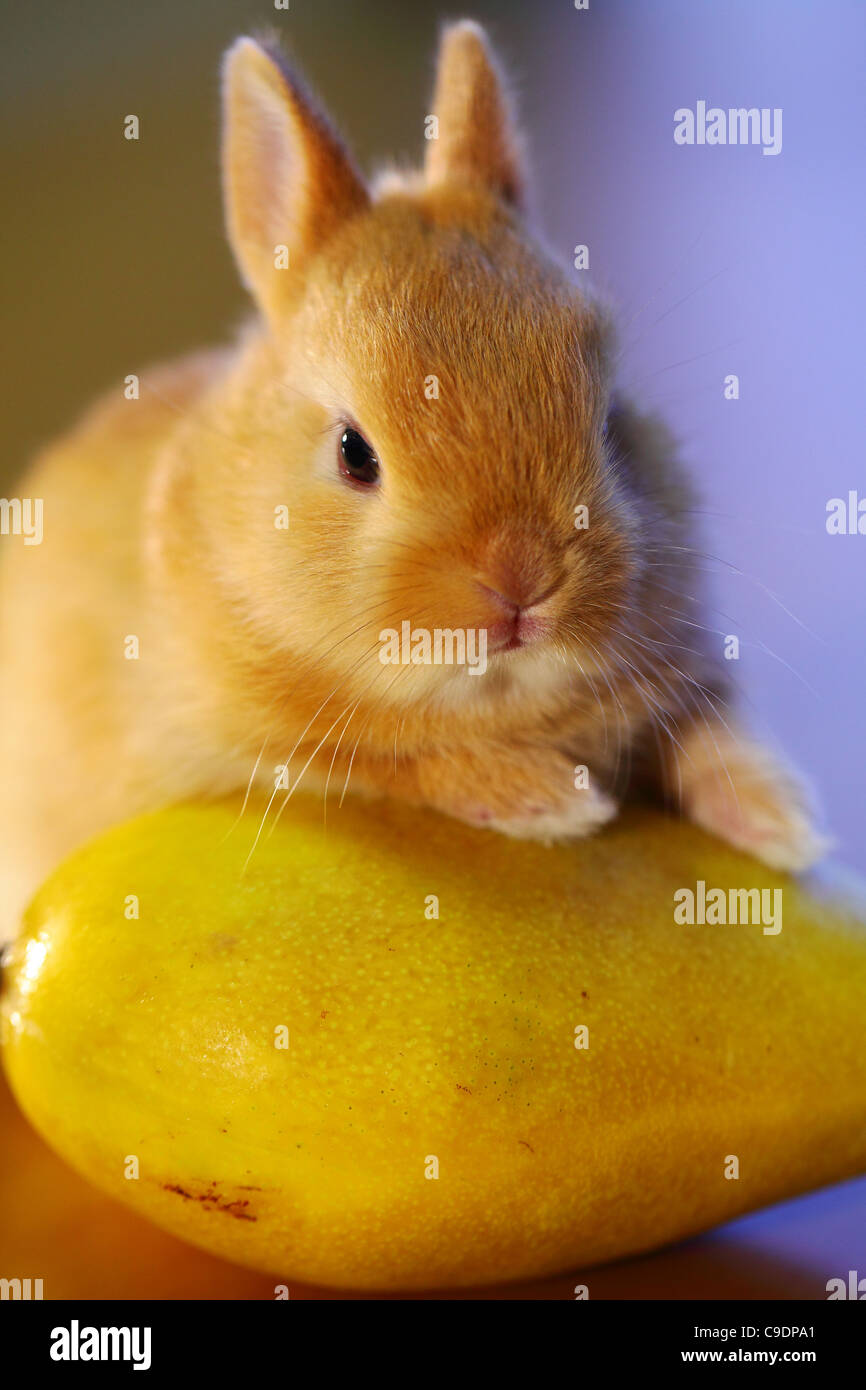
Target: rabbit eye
{"type": "Point", "coordinates": [357, 460]}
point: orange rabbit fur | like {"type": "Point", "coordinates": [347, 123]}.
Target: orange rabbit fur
{"type": "Point", "coordinates": [422, 316]}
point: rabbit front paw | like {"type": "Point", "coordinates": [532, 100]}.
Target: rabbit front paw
{"type": "Point", "coordinates": [536, 796]}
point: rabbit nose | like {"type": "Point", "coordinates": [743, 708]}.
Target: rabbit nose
{"type": "Point", "coordinates": [517, 568]}
{"type": "Point", "coordinates": [517, 597]}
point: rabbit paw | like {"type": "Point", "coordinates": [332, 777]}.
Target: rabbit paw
{"type": "Point", "coordinates": [750, 799]}
{"type": "Point", "coordinates": [531, 798]}
{"type": "Point", "coordinates": [572, 819]}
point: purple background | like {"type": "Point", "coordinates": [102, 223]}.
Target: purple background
{"type": "Point", "coordinates": [723, 259]}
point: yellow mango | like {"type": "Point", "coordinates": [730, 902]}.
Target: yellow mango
{"type": "Point", "coordinates": [394, 1052]}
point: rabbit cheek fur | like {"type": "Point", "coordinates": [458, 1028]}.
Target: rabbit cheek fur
{"type": "Point", "coordinates": [260, 640]}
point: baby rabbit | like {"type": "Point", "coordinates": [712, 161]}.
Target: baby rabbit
{"type": "Point", "coordinates": [244, 570]}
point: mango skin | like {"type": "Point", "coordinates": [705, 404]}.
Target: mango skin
{"type": "Point", "coordinates": [412, 1038]}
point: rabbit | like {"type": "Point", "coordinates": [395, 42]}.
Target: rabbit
{"type": "Point", "coordinates": [419, 427]}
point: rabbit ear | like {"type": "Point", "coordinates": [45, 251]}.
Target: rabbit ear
{"type": "Point", "coordinates": [288, 183]}
{"type": "Point", "coordinates": [477, 138]}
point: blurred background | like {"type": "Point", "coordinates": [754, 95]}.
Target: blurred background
{"type": "Point", "coordinates": [717, 260]}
